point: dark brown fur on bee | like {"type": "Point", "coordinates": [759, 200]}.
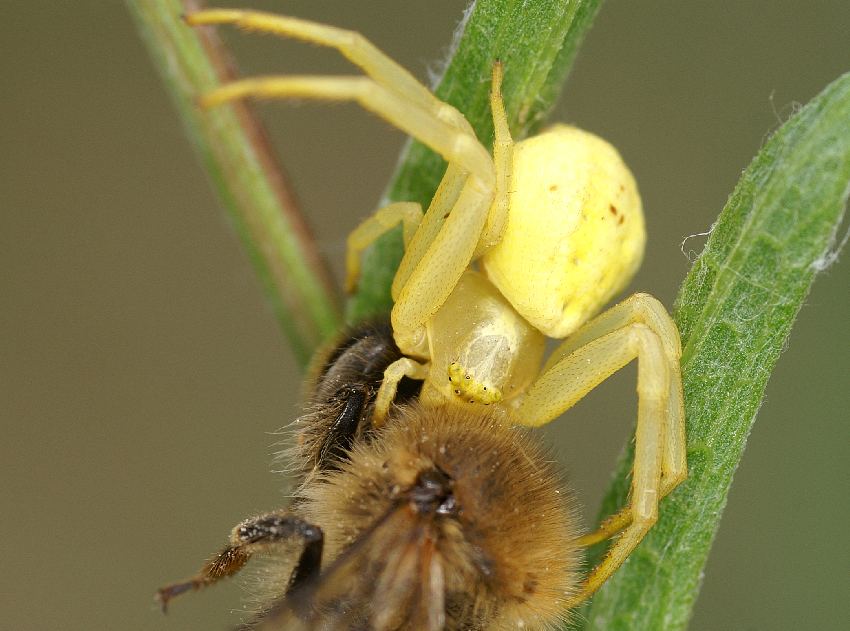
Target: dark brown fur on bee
{"type": "Point", "coordinates": [343, 381]}
{"type": "Point", "coordinates": [440, 519]}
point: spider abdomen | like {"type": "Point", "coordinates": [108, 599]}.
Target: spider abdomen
{"type": "Point", "coordinates": [574, 235]}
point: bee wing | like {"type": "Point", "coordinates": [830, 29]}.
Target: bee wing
{"type": "Point", "coordinates": [391, 575]}
{"type": "Point", "coordinates": [429, 609]}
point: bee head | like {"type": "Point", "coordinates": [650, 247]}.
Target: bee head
{"type": "Point", "coordinates": [432, 493]}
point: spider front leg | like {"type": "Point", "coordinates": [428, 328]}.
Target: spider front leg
{"type": "Point", "coordinates": [387, 90]}
{"type": "Point", "coordinates": [406, 214]}
{"type": "Point", "coordinates": [249, 537]}
{"type": "Point", "coordinates": [466, 217]}
{"type": "Point", "coordinates": [351, 44]}
{"type": "Point", "coordinates": [437, 257]}
{"type": "Point", "coordinates": [637, 328]}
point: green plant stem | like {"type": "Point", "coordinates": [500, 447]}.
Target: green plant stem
{"type": "Point", "coordinates": [537, 42]}
{"type": "Point", "coordinates": [237, 156]}
{"type": "Point", "coordinates": [734, 310]}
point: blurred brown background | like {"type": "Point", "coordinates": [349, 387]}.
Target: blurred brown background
{"type": "Point", "coordinates": [142, 371]}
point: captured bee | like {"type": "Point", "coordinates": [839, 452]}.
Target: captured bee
{"type": "Point", "coordinates": [440, 518]}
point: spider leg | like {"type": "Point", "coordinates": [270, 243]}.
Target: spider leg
{"type": "Point", "coordinates": [408, 214]}
{"type": "Point", "coordinates": [395, 372]}
{"type": "Point", "coordinates": [473, 223]}
{"type": "Point", "coordinates": [445, 258]}
{"type": "Point", "coordinates": [647, 310]}
{"type": "Point", "coordinates": [247, 538]}
{"type": "Point", "coordinates": [450, 188]}
{"type": "Point", "coordinates": [461, 223]}
{"type": "Point", "coordinates": [585, 360]}
{"type": "Point", "coordinates": [503, 154]}
{"type": "Point", "coordinates": [638, 307]}
{"type": "Point", "coordinates": [432, 222]}
{"type": "Point", "coordinates": [446, 139]}
{"type": "Point", "coordinates": [645, 488]}
{"type": "Point", "coordinates": [437, 272]}
{"type": "Point", "coordinates": [351, 44]}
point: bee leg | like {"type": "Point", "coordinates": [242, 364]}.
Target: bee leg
{"type": "Point", "coordinates": [340, 435]}
{"type": "Point", "coordinates": [274, 528]}
{"type": "Point", "coordinates": [247, 538]}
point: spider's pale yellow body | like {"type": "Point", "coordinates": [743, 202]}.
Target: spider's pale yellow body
{"type": "Point", "coordinates": [574, 234]}
{"type": "Point", "coordinates": [553, 225]}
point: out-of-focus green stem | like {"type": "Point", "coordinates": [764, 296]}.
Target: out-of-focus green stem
{"type": "Point", "coordinates": [251, 184]}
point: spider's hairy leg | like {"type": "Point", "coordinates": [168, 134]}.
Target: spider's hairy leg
{"type": "Point", "coordinates": [395, 372]}
{"type": "Point", "coordinates": [646, 471]}
{"type": "Point", "coordinates": [436, 274]}
{"type": "Point", "coordinates": [446, 197]}
{"type": "Point", "coordinates": [644, 495]}
{"type": "Point", "coordinates": [450, 236]}
{"type": "Point", "coordinates": [435, 260]}
{"type": "Point", "coordinates": [408, 214]}
{"type": "Point", "coordinates": [249, 537]}
{"type": "Point", "coordinates": [563, 383]}
{"type": "Point", "coordinates": [430, 225]}
{"type": "Point", "coordinates": [351, 44]}
{"type": "Point", "coordinates": [647, 310]}
{"type": "Point", "coordinates": [503, 154]}
{"type": "Point", "coordinates": [569, 378]}
{"type": "Point", "coordinates": [639, 307]}
{"type": "Point", "coordinates": [450, 142]}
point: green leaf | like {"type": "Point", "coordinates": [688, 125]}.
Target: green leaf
{"type": "Point", "coordinates": [537, 42]}
{"type": "Point", "coordinates": [249, 182]}
{"type": "Point", "coordinates": [735, 310]}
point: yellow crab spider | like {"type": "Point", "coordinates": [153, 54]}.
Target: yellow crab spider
{"type": "Point", "coordinates": [556, 226]}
